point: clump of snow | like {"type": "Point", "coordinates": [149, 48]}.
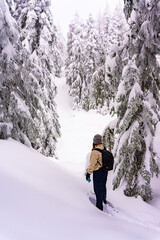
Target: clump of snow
{"type": "Point", "coordinates": [112, 124]}
{"type": "Point", "coordinates": [20, 104]}
{"type": "Point", "coordinates": [135, 90]}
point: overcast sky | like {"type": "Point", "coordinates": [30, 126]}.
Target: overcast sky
{"type": "Point", "coordinates": [63, 10]}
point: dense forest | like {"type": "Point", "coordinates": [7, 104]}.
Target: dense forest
{"type": "Point", "coordinates": [111, 65]}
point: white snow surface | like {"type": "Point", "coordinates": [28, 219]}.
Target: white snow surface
{"type": "Point", "coordinates": [44, 198]}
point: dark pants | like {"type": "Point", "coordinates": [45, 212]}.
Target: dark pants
{"type": "Point", "coordinates": [99, 184]}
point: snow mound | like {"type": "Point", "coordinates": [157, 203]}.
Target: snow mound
{"type": "Point", "coordinates": [42, 200]}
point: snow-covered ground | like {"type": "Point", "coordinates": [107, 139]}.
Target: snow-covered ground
{"type": "Point", "coordinates": [45, 198]}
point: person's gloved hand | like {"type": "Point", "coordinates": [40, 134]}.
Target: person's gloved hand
{"type": "Point", "coordinates": [88, 177]}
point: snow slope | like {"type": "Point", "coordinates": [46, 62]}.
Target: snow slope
{"type": "Point", "coordinates": [44, 198]}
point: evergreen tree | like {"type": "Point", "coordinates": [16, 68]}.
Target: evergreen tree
{"type": "Point", "coordinates": [114, 65]}
{"type": "Point", "coordinates": [61, 45]}
{"type": "Point", "coordinates": [75, 62]}
{"type": "Point", "coordinates": [117, 27]}
{"type": "Point", "coordinates": [91, 48]}
{"type": "Point", "coordinates": [138, 102]}
{"type": "Point", "coordinates": [117, 54]}
{"type": "Point", "coordinates": [27, 107]}
{"type": "Point", "coordinates": [105, 23]}
{"type": "Point", "coordinates": [39, 34]}
{"type": "Point", "coordinates": [99, 86]}
{"type": "Point", "coordinates": [99, 89]}
{"type": "Point", "coordinates": [94, 68]}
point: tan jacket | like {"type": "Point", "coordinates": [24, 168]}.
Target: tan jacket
{"type": "Point", "coordinates": [95, 157]}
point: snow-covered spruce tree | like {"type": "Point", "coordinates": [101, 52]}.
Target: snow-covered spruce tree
{"type": "Point", "coordinates": [61, 45]}
{"type": "Point", "coordinates": [39, 34]}
{"type": "Point", "coordinates": [91, 47]}
{"type": "Point", "coordinates": [104, 23]}
{"type": "Point", "coordinates": [75, 62]}
{"type": "Point", "coordinates": [117, 27]}
{"type": "Point", "coordinates": [94, 67]}
{"type": "Point", "coordinates": [117, 55]}
{"type": "Point", "coordinates": [27, 108]}
{"type": "Point", "coordinates": [98, 84]}
{"type": "Point", "coordinates": [111, 39]}
{"type": "Point", "coordinates": [114, 65]}
{"type": "Point", "coordinates": [99, 90]}
{"type": "Point", "coordinates": [138, 102]}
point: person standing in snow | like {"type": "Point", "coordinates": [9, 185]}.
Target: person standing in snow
{"type": "Point", "coordinates": [99, 175]}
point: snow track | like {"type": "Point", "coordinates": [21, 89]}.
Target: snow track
{"type": "Point", "coordinates": [123, 214]}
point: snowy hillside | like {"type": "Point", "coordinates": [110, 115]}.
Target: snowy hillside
{"type": "Point", "coordinates": [45, 199]}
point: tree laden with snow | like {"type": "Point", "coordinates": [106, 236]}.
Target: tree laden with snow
{"type": "Point", "coordinates": [99, 88]}
{"type": "Point", "coordinates": [98, 84]}
{"type": "Point", "coordinates": [27, 107]}
{"type": "Point", "coordinates": [39, 34]}
{"type": "Point", "coordinates": [90, 61]}
{"type": "Point", "coordinates": [94, 90]}
{"type": "Point", "coordinates": [117, 55]}
{"type": "Point", "coordinates": [85, 64]}
{"type": "Point", "coordinates": [75, 62]}
{"type": "Point", "coordinates": [138, 104]}
{"type": "Point", "coordinates": [113, 71]}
